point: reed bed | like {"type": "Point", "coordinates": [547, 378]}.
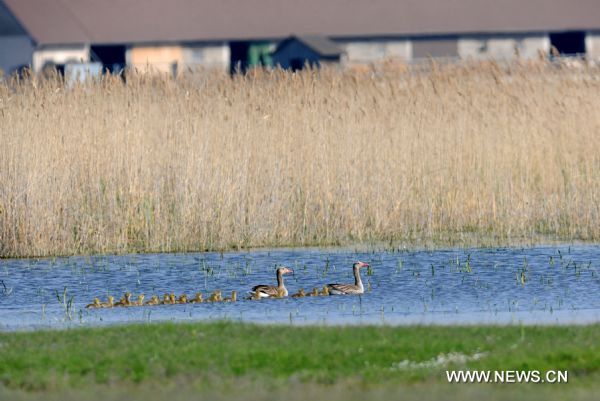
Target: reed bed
{"type": "Point", "coordinates": [274, 158]}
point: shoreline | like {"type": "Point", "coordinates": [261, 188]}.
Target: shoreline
{"type": "Point", "coordinates": [375, 246]}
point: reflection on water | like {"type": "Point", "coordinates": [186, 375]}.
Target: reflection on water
{"type": "Point", "coordinates": [460, 286]}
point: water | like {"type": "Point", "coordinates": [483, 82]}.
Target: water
{"type": "Point", "coordinates": [539, 285]}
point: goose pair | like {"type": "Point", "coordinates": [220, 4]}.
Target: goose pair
{"type": "Point", "coordinates": [279, 291]}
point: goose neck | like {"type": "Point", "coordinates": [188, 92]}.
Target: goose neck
{"type": "Point", "coordinates": [357, 279]}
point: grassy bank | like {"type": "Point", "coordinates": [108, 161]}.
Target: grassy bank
{"type": "Point", "coordinates": [226, 358]}
{"type": "Point", "coordinates": [314, 158]}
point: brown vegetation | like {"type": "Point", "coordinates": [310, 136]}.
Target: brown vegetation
{"type": "Point", "coordinates": [318, 157]}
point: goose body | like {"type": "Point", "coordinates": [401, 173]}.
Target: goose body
{"type": "Point", "coordinates": [271, 291]}
{"type": "Point", "coordinates": [356, 288]}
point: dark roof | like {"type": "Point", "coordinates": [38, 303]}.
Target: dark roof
{"type": "Point", "coordinates": [8, 24]}
{"type": "Point", "coordinates": [319, 44]}
{"type": "Point", "coordinates": [131, 21]}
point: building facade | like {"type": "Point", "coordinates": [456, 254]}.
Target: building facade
{"type": "Point", "coordinates": [170, 37]}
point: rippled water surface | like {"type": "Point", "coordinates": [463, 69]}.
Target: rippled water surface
{"type": "Point", "coordinates": [507, 285]}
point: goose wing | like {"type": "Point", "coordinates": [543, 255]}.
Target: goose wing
{"type": "Point", "coordinates": [265, 290]}
{"type": "Point", "coordinates": [338, 289]}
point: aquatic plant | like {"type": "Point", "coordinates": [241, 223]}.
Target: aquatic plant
{"type": "Point", "coordinates": [458, 154]}
{"type": "Point", "coordinates": [66, 302]}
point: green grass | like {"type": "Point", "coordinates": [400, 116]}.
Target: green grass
{"type": "Point", "coordinates": [230, 357]}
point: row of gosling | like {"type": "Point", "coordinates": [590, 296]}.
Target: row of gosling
{"type": "Point", "coordinates": [168, 299]}
{"type": "Point", "coordinates": [171, 299]}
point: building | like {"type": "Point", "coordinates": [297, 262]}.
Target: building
{"type": "Point", "coordinates": [297, 51]}
{"type": "Point", "coordinates": [173, 35]}
{"type": "Point", "coordinates": [16, 47]}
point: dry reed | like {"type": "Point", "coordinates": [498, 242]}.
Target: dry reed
{"type": "Point", "coordinates": [318, 157]}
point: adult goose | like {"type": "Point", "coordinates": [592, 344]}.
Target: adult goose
{"type": "Point", "coordinates": [356, 288]}
{"type": "Point", "coordinates": [271, 291]}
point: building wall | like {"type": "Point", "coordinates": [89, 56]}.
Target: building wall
{"type": "Point", "coordinates": [15, 51]}
{"type": "Point", "coordinates": [483, 46]}
{"type": "Point", "coordinates": [60, 55]}
{"type": "Point", "coordinates": [503, 47]}
{"type": "Point", "coordinates": [210, 55]}
{"type": "Point", "coordinates": [592, 45]}
{"type": "Point", "coordinates": [367, 51]}
{"type": "Point", "coordinates": [174, 58]}
{"type": "Point", "coordinates": [155, 58]}
{"type": "Point", "coordinates": [434, 47]}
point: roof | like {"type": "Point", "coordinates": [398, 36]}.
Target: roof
{"type": "Point", "coordinates": [319, 44]}
{"type": "Point", "coordinates": [8, 24]}
{"type": "Point", "coordinates": [134, 21]}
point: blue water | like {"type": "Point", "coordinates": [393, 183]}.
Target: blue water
{"type": "Point", "coordinates": [538, 285]}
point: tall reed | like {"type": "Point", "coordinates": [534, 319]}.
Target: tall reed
{"type": "Point", "coordinates": [273, 158]}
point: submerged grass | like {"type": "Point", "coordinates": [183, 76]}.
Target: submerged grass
{"type": "Point", "coordinates": [205, 161]}
{"type": "Point", "coordinates": [330, 362]}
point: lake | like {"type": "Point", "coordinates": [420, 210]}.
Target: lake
{"type": "Point", "coordinates": [531, 285]}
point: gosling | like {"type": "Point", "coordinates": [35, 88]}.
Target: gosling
{"type": "Point", "coordinates": [299, 294]}
{"type": "Point", "coordinates": [110, 303]}
{"type": "Point", "coordinates": [197, 299]}
{"type": "Point", "coordinates": [95, 304]}
{"type": "Point", "coordinates": [125, 301]}
{"type": "Point", "coordinates": [215, 296]}
{"type": "Point", "coordinates": [140, 300]}
{"type": "Point", "coordinates": [324, 292]}
{"type": "Point", "coordinates": [233, 297]}
{"type": "Point", "coordinates": [182, 299]}
{"type": "Point", "coordinates": [153, 301]}
{"type": "Point", "coordinates": [313, 293]}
